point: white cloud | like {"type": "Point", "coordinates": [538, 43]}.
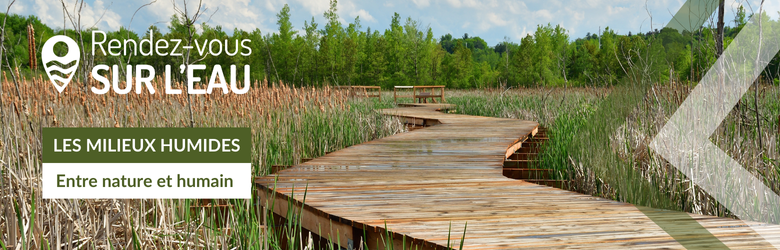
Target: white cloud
{"type": "Point", "coordinates": [496, 19]}
{"type": "Point", "coordinates": [16, 8]}
{"type": "Point", "coordinates": [97, 14]}
{"type": "Point", "coordinates": [519, 35]}
{"type": "Point", "coordinates": [162, 10]}
{"type": "Point", "coordinates": [615, 10]}
{"type": "Point", "coordinates": [516, 7]}
{"type": "Point", "coordinates": [349, 9]}
{"type": "Point", "coordinates": [454, 3]}
{"type": "Point", "coordinates": [315, 7]}
{"type": "Point", "coordinates": [593, 3]}
{"type": "Point", "coordinates": [471, 3]}
{"type": "Point", "coordinates": [576, 15]}
{"type": "Point", "coordinates": [421, 3]}
{"type": "Point", "coordinates": [490, 19]}
{"type": "Point", "coordinates": [274, 6]}
{"type": "Point", "coordinates": [544, 15]}
{"type": "Point", "coordinates": [772, 8]}
{"type": "Point", "coordinates": [229, 14]}
{"type": "Point", "coordinates": [232, 14]}
{"type": "Point", "coordinates": [363, 14]}
{"type": "Point", "coordinates": [484, 26]}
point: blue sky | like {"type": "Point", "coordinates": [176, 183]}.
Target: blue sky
{"type": "Point", "coordinates": [492, 20]}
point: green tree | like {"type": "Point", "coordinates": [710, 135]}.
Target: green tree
{"type": "Point", "coordinates": [283, 53]}
{"type": "Point", "coordinates": [330, 49]}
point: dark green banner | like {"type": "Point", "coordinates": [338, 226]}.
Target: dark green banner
{"type": "Point", "coordinates": [146, 145]}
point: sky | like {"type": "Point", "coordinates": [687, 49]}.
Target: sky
{"type": "Point", "coordinates": [492, 20]}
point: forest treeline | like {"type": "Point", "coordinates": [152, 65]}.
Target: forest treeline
{"type": "Point", "coordinates": [408, 53]}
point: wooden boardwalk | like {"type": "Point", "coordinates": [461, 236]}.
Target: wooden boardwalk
{"type": "Point", "coordinates": [420, 183]}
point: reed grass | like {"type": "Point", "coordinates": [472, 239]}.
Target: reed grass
{"type": "Point", "coordinates": [617, 164]}
{"type": "Point", "coordinates": [287, 124]}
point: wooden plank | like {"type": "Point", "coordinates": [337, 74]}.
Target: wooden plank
{"type": "Point", "coordinates": [315, 222]}
{"type": "Point", "coordinates": [428, 183]}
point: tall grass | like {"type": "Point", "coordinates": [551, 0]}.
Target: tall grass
{"type": "Point", "coordinates": [564, 111]}
{"type": "Point", "coordinates": [617, 163]}
{"type": "Point", "coordinates": [287, 124]}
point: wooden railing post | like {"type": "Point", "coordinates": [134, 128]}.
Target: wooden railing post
{"type": "Point", "coordinates": [414, 94]}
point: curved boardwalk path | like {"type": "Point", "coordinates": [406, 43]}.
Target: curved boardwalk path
{"type": "Point", "coordinates": [420, 183]}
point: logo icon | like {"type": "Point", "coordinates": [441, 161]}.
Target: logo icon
{"type": "Point", "coordinates": [52, 62]}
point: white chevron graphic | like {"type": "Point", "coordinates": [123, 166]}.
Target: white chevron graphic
{"type": "Point", "coordinates": [684, 140]}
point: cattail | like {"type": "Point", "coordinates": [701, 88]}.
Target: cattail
{"type": "Point", "coordinates": [31, 47]}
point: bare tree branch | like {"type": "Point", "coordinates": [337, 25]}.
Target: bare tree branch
{"type": "Point", "coordinates": [139, 8]}
{"type": "Point", "coordinates": [101, 16]}
{"type": "Point", "coordinates": [2, 31]}
{"type": "Point", "coordinates": [189, 22]}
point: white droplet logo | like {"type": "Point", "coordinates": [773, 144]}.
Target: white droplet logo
{"type": "Point", "coordinates": [52, 62]}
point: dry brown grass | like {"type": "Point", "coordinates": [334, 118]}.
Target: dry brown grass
{"type": "Point", "coordinates": [287, 124]}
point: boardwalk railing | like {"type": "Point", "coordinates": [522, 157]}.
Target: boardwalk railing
{"type": "Point", "coordinates": [362, 91]}
{"type": "Point", "coordinates": [420, 94]}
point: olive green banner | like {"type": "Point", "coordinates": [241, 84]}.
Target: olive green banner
{"type": "Point", "coordinates": [146, 145]}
